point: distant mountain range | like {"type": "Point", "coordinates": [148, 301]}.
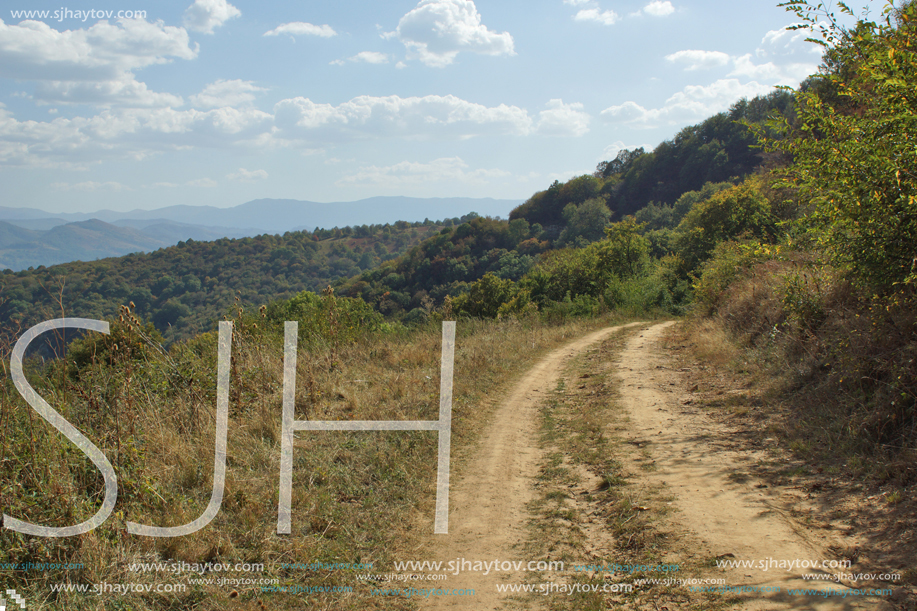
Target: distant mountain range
{"type": "Point", "coordinates": [30, 237]}
{"type": "Point", "coordinates": [22, 247]}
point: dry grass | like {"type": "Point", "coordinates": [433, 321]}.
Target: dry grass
{"type": "Point", "coordinates": [840, 363]}
{"type": "Point", "coordinates": [822, 376]}
{"type": "Point", "coordinates": [712, 344]}
{"type": "Point", "coordinates": [358, 497]}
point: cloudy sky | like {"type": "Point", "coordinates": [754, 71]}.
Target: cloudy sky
{"type": "Point", "coordinates": [219, 102]}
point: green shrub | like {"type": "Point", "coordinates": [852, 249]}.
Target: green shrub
{"type": "Point", "coordinates": [852, 142]}
{"type": "Point", "coordinates": [325, 318]}
{"type": "Point", "coordinates": [741, 211]}
{"type": "Point", "coordinates": [491, 296]}
{"type": "Point", "coordinates": [728, 261]}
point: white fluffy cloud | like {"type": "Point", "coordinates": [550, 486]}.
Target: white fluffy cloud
{"type": "Point", "coordinates": [563, 119]}
{"type": "Point", "coordinates": [90, 186]}
{"type": "Point", "coordinates": [34, 51]}
{"type": "Point", "coordinates": [93, 65]}
{"type": "Point", "coordinates": [370, 57]}
{"type": "Point", "coordinates": [786, 58]}
{"type": "Point", "coordinates": [790, 74]}
{"type": "Point", "coordinates": [656, 8]}
{"type": "Point", "coordinates": [302, 28]}
{"type": "Point", "coordinates": [659, 8]}
{"type": "Point", "coordinates": [123, 93]}
{"type": "Point", "coordinates": [783, 58]}
{"type": "Point", "coordinates": [369, 116]}
{"type": "Point", "coordinates": [436, 31]}
{"type": "Point", "coordinates": [693, 103]}
{"type": "Point", "coordinates": [207, 183]}
{"type": "Point", "coordinates": [365, 57]}
{"type": "Point", "coordinates": [785, 43]}
{"type": "Point", "coordinates": [207, 15]}
{"type": "Point", "coordinates": [594, 14]}
{"type": "Point", "coordinates": [222, 118]}
{"type": "Point", "coordinates": [409, 173]}
{"type": "Point", "coordinates": [791, 59]}
{"type": "Point", "coordinates": [697, 60]}
{"type": "Point", "coordinates": [423, 117]}
{"type": "Point", "coordinates": [131, 133]}
{"type": "Point", "coordinates": [247, 175]}
{"type": "Point", "coordinates": [226, 93]}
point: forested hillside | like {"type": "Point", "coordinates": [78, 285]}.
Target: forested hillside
{"type": "Point", "coordinates": [185, 289]}
{"type": "Point", "coordinates": [718, 149]}
{"type": "Point", "coordinates": [659, 186]}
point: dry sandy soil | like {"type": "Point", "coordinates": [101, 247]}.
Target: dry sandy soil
{"type": "Point", "coordinates": [488, 503]}
{"type": "Point", "coordinates": [729, 513]}
{"type": "Point", "coordinates": [720, 507]}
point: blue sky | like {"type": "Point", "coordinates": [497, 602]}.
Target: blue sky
{"type": "Point", "coordinates": [217, 103]}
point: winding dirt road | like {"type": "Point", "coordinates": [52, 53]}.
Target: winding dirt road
{"type": "Point", "coordinates": [716, 515]}
{"type": "Point", "coordinates": [487, 504]}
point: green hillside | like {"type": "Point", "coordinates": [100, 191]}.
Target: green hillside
{"type": "Point", "coordinates": [718, 149]}
{"type": "Point", "coordinates": [185, 289]}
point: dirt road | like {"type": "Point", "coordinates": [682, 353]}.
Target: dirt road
{"type": "Point", "coordinates": [488, 503]}
{"type": "Point", "coordinates": [727, 513]}
{"type": "Point", "coordinates": [716, 514]}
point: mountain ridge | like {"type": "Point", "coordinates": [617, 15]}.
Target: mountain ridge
{"type": "Point", "coordinates": [270, 215]}
{"type": "Point", "coordinates": [32, 237]}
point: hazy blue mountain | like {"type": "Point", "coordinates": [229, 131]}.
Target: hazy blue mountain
{"type": "Point", "coordinates": [170, 232]}
{"type": "Point", "coordinates": [7, 214]}
{"type": "Point", "coordinates": [30, 237]}
{"type": "Point", "coordinates": [281, 215]}
{"type": "Point", "coordinates": [81, 241]}
{"type": "Point", "coordinates": [37, 224]}
{"type": "Point", "coordinates": [12, 236]}
{"type": "Point", "coordinates": [375, 210]}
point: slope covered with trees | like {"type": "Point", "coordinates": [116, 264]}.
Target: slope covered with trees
{"type": "Point", "coordinates": [185, 289]}
{"type": "Point", "coordinates": [721, 148]}
{"type": "Point", "coordinates": [568, 217]}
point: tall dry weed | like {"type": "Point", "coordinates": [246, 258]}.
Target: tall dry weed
{"type": "Point", "coordinates": [839, 364]}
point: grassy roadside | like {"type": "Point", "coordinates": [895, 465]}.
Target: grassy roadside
{"type": "Point", "coordinates": [855, 490]}
{"type": "Point", "coordinates": [593, 510]}
{"type": "Point", "coordinates": [358, 497]}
